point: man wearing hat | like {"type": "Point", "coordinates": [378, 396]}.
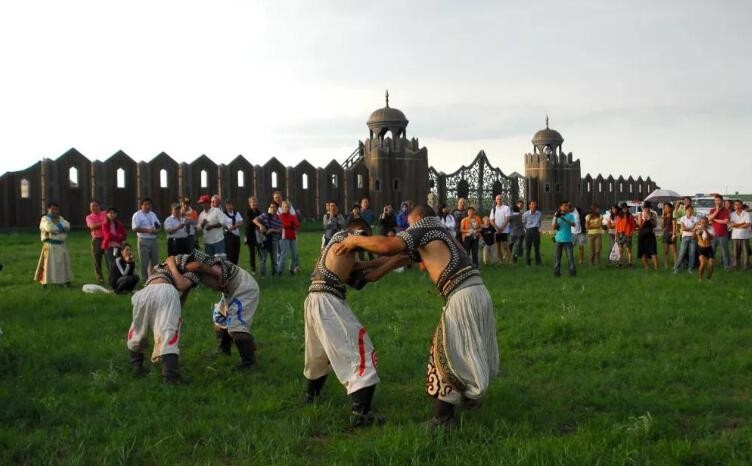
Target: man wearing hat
{"type": "Point", "coordinates": [211, 222]}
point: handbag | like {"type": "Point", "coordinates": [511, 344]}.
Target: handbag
{"type": "Point", "coordinates": [615, 255]}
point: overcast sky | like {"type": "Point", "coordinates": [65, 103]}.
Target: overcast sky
{"type": "Point", "coordinates": [641, 88]}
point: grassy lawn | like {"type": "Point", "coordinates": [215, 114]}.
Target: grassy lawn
{"type": "Point", "coordinates": [611, 367]}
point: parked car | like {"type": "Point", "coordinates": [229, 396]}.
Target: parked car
{"type": "Point", "coordinates": [703, 204]}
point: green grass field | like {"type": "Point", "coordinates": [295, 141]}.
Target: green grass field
{"type": "Point", "coordinates": [611, 367]}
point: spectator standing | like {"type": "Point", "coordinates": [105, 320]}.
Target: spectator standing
{"type": "Point", "coordinates": [402, 215]}
{"type": "Point", "coordinates": [562, 224]}
{"type": "Point", "coordinates": [366, 213]}
{"type": "Point", "coordinates": [113, 237]}
{"type": "Point", "coordinates": [447, 219]}
{"type": "Point", "coordinates": [233, 223]}
{"type": "Point", "coordinates": [190, 218]}
{"type": "Point", "coordinates": [211, 221]}
{"type": "Point", "coordinates": [333, 222]}
{"type": "Point", "coordinates": [459, 214]}
{"type": "Point", "coordinates": [499, 217]}
{"type": "Point", "coordinates": [669, 234]}
{"type": "Point", "coordinates": [270, 226]}
{"type": "Point", "coordinates": [354, 213]}
{"type": "Point", "coordinates": [177, 236]}
{"type": "Point", "coordinates": [388, 221]}
{"type": "Point", "coordinates": [609, 224]}
{"type": "Point", "coordinates": [625, 226]}
{"type": "Point", "coordinates": [123, 278]}
{"type": "Point", "coordinates": [578, 236]}
{"type": "Point", "coordinates": [288, 244]}
{"type": "Point", "coordinates": [704, 236]}
{"type": "Point", "coordinates": [470, 228]}
{"type": "Point", "coordinates": [252, 238]}
{"type": "Point", "coordinates": [594, 227]}
{"type": "Point", "coordinates": [719, 221]}
{"type": "Point", "coordinates": [278, 199]}
{"type": "Point", "coordinates": [54, 266]}
{"type": "Point", "coordinates": [488, 236]}
{"type": "Point", "coordinates": [679, 212]}
{"type": "Point", "coordinates": [145, 224]}
{"type": "Point", "coordinates": [687, 224]}
{"type": "Point", "coordinates": [740, 222]}
{"type": "Point", "coordinates": [647, 246]}
{"type": "Point", "coordinates": [518, 232]}
{"type": "Point", "coordinates": [531, 220]}
{"type": "Point", "coordinates": [94, 221]}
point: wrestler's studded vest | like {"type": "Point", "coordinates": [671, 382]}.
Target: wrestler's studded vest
{"type": "Point", "coordinates": [324, 280]}
{"type": "Point", "coordinates": [429, 229]}
{"type": "Point", "coordinates": [162, 271]}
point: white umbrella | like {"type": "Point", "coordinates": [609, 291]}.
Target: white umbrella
{"type": "Point", "coordinates": [663, 195]}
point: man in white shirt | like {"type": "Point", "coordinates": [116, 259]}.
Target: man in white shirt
{"type": "Point", "coordinates": [687, 225]}
{"type": "Point", "coordinates": [578, 236]}
{"type": "Point", "coordinates": [177, 232]}
{"type": "Point", "coordinates": [145, 224]}
{"type": "Point", "coordinates": [277, 199]}
{"type": "Point", "coordinates": [740, 222]}
{"type": "Point", "coordinates": [233, 222]}
{"type": "Point", "coordinates": [499, 217]}
{"type": "Point", "coordinates": [211, 222]}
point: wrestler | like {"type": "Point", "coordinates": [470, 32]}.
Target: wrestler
{"type": "Point", "coordinates": [334, 338]}
{"type": "Point", "coordinates": [234, 312]}
{"type": "Point", "coordinates": [464, 354]}
{"type": "Point", "coordinates": [157, 309]}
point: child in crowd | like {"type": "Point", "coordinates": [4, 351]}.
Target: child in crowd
{"type": "Point", "coordinates": [122, 273]}
{"type": "Point", "coordinates": [704, 237]}
{"type": "Point", "coordinates": [488, 233]}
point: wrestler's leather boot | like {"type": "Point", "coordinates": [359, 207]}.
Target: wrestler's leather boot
{"type": "Point", "coordinates": [247, 349]}
{"type": "Point", "coordinates": [137, 363]}
{"type": "Point", "coordinates": [314, 389]}
{"type": "Point", "coordinates": [443, 415]}
{"type": "Point", "coordinates": [224, 341]}
{"type": "Point", "coordinates": [170, 371]}
{"type": "Point", "coordinates": [362, 416]}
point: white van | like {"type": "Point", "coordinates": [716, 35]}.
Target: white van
{"type": "Point", "coordinates": [702, 205]}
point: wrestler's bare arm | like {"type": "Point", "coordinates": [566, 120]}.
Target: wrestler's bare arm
{"type": "Point", "coordinates": [181, 283]}
{"type": "Point", "coordinates": [381, 245]}
{"type": "Point", "coordinates": [371, 264]}
{"type": "Point", "coordinates": [392, 262]}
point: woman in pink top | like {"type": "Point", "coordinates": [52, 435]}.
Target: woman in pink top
{"type": "Point", "coordinates": [94, 222]}
{"type": "Point", "coordinates": [288, 242]}
{"type": "Point", "coordinates": [113, 236]}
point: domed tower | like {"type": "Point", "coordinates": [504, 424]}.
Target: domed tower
{"type": "Point", "coordinates": [552, 175]}
{"type": "Point", "coordinates": [397, 168]}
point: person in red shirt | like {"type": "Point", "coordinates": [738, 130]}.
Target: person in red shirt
{"type": "Point", "coordinates": [719, 221]}
{"type": "Point", "coordinates": [94, 222]}
{"type": "Point", "coordinates": [625, 227]}
{"type": "Point", "coordinates": [288, 242]}
{"type": "Point", "coordinates": [113, 236]}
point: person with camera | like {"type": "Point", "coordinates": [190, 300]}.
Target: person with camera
{"type": "Point", "coordinates": [146, 225]}
{"type": "Point", "coordinates": [388, 221]}
{"type": "Point", "coordinates": [562, 223]}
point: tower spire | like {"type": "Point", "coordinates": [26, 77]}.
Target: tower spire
{"type": "Point", "coordinates": [546, 119]}
{"type": "Point", "coordinates": [387, 98]}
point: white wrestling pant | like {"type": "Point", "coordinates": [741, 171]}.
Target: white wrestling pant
{"type": "Point", "coordinates": [156, 309]}
{"type": "Point", "coordinates": [335, 340]}
{"type": "Point", "coordinates": [235, 313]}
